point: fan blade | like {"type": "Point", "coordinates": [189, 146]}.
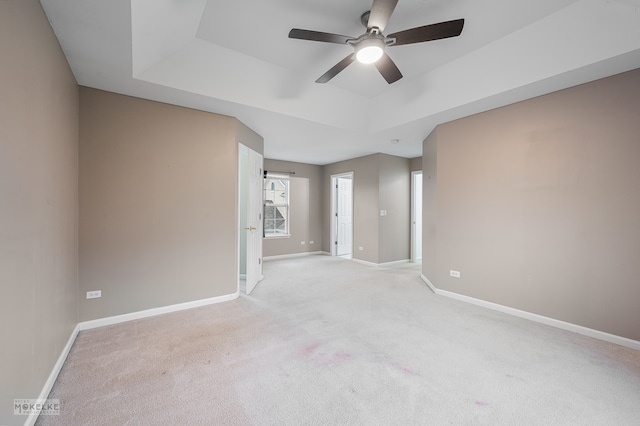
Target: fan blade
{"type": "Point", "coordinates": [381, 11]}
{"type": "Point", "coordinates": [336, 69]}
{"type": "Point", "coordinates": [428, 32]}
{"type": "Point", "coordinates": [388, 69]}
{"type": "Point", "coordinates": [318, 36]}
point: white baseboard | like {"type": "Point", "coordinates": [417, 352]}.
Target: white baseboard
{"type": "Point", "coordinates": [395, 262]}
{"type": "Point", "coordinates": [48, 385]}
{"type": "Point", "coordinates": [429, 284]}
{"type": "Point", "coordinates": [380, 265]}
{"type": "Point", "coordinates": [585, 331]}
{"type": "Point", "coordinates": [101, 322]}
{"type": "Point", "coordinates": [364, 262]}
{"type": "Point", "coordinates": [292, 255]}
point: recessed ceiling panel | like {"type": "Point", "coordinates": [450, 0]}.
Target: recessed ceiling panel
{"type": "Point", "coordinates": [235, 58]}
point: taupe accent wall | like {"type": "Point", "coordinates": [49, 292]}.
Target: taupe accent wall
{"type": "Point", "coordinates": [380, 181]}
{"type": "Point", "coordinates": [305, 210]}
{"type": "Point", "coordinates": [38, 203]}
{"type": "Point", "coordinates": [538, 205]}
{"type": "Point", "coordinates": [158, 204]}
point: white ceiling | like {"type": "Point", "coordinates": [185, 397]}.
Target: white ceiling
{"type": "Point", "coordinates": [234, 58]}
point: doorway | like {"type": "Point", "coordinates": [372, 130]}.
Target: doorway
{"type": "Point", "coordinates": [250, 218]}
{"type": "Point", "coordinates": [416, 216]}
{"type": "Point", "coordinates": [342, 214]}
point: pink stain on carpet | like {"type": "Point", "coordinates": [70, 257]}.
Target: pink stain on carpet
{"type": "Point", "coordinates": [343, 355]}
{"type": "Point", "coordinates": [319, 355]}
{"type": "Point", "coordinates": [482, 404]}
{"type": "Point", "coordinates": [311, 349]}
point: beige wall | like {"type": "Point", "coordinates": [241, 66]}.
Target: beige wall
{"type": "Point", "coordinates": [415, 164]}
{"type": "Point", "coordinates": [243, 193]}
{"type": "Point", "coordinates": [305, 209]}
{"type": "Point", "coordinates": [430, 205]}
{"type": "Point", "coordinates": [153, 231]}
{"type": "Point", "coordinates": [394, 229]}
{"type": "Point", "coordinates": [248, 137]}
{"type": "Point", "coordinates": [38, 203]}
{"type": "Point", "coordinates": [538, 205]}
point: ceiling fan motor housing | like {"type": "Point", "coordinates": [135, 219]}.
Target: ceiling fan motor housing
{"type": "Point", "coordinates": [364, 18]}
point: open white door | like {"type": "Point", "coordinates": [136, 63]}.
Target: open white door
{"type": "Point", "coordinates": [254, 221]}
{"type": "Point", "coordinates": [344, 215]}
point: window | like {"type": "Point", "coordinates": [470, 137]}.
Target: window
{"type": "Point", "coordinates": [276, 206]}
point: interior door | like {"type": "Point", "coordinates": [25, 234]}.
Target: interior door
{"type": "Point", "coordinates": [344, 210]}
{"type": "Point", "coordinates": [254, 221]}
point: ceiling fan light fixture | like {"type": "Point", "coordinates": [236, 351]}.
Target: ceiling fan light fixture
{"type": "Point", "coordinates": [369, 50]}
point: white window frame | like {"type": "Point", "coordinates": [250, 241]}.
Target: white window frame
{"type": "Point", "coordinates": [286, 205]}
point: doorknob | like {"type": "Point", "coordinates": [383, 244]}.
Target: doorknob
{"type": "Point", "coordinates": [251, 228]}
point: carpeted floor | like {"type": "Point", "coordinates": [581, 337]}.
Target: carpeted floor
{"type": "Point", "coordinates": [326, 341]}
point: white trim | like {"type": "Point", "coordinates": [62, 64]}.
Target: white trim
{"type": "Point", "coordinates": [431, 286]}
{"type": "Point", "coordinates": [101, 322]}
{"type": "Point", "coordinates": [292, 255]}
{"type": "Point", "coordinates": [286, 205]}
{"type": "Point", "coordinates": [395, 262]}
{"type": "Point", "coordinates": [276, 236]}
{"type": "Point", "coordinates": [364, 262]}
{"type": "Point", "coordinates": [585, 331]}
{"type": "Point", "coordinates": [380, 265]}
{"type": "Point", "coordinates": [48, 385]}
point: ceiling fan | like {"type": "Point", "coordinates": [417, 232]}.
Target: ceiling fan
{"type": "Point", "coordinates": [370, 47]}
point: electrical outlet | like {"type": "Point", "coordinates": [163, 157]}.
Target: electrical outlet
{"type": "Point", "coordinates": [360, 248]}
{"type": "Point", "coordinates": [311, 242]}
{"type": "Point", "coordinates": [302, 243]}
{"type": "Point", "coordinates": [94, 294]}
{"type": "Point", "coordinates": [454, 273]}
